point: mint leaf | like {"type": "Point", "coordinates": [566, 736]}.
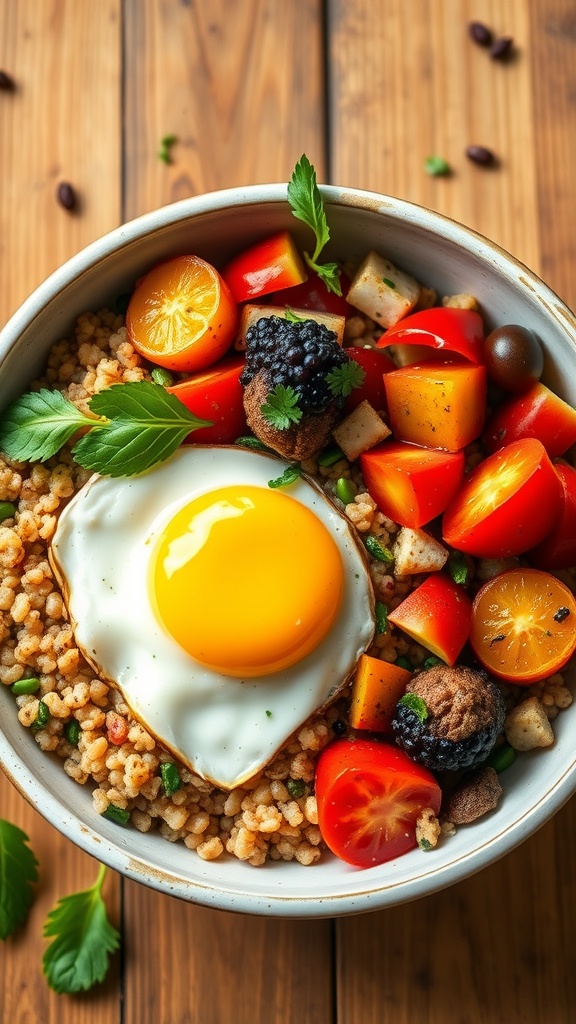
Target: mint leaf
{"type": "Point", "coordinates": [77, 958]}
{"type": "Point", "coordinates": [308, 206]}
{"type": "Point", "coordinates": [145, 426]}
{"type": "Point", "coordinates": [38, 424]}
{"type": "Point", "coordinates": [18, 872]}
{"type": "Point", "coordinates": [281, 407]}
{"type": "Point", "coordinates": [343, 379]}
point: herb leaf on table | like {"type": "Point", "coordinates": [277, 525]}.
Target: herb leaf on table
{"type": "Point", "coordinates": [18, 872]}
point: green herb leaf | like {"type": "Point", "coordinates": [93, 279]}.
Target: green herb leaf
{"type": "Point", "coordinates": [170, 777]}
{"type": "Point", "coordinates": [145, 426]}
{"type": "Point", "coordinates": [38, 424]}
{"type": "Point", "coordinates": [77, 958]}
{"type": "Point", "coordinates": [308, 206]}
{"type": "Point", "coordinates": [18, 872]}
{"type": "Point", "coordinates": [343, 379]}
{"type": "Point", "coordinates": [252, 442]}
{"type": "Point", "coordinates": [377, 550]}
{"type": "Point", "coordinates": [458, 567]}
{"type": "Point", "coordinates": [281, 407]}
{"type": "Point", "coordinates": [289, 476]}
{"type": "Point", "coordinates": [416, 704]}
{"type": "Point", "coordinates": [381, 616]}
{"type": "Point", "coordinates": [389, 283]}
{"type": "Point", "coordinates": [437, 166]}
{"type": "Point", "coordinates": [165, 146]}
{"type": "Point", "coordinates": [424, 844]}
{"type": "Point", "coordinates": [292, 317]}
{"type": "Point", "coordinates": [431, 662]}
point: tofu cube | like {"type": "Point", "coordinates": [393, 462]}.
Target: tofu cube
{"type": "Point", "coordinates": [362, 429]}
{"type": "Point", "coordinates": [416, 551]}
{"type": "Point", "coordinates": [382, 291]}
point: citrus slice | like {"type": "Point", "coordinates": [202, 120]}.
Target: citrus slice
{"type": "Point", "coordinates": [182, 315]}
{"type": "Point", "coordinates": [524, 625]}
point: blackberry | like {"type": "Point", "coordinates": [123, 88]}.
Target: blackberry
{"type": "Point", "coordinates": [450, 718]}
{"type": "Point", "coordinates": [297, 354]}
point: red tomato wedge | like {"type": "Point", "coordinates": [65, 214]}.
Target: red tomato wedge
{"type": "Point", "coordinates": [524, 625]}
{"type": "Point", "coordinates": [411, 485]}
{"type": "Point", "coordinates": [558, 549]}
{"type": "Point", "coordinates": [437, 614]}
{"type": "Point", "coordinates": [538, 413]}
{"type": "Point", "coordinates": [458, 331]}
{"type": "Point", "coordinates": [375, 364]}
{"type": "Point", "coordinates": [216, 395]}
{"type": "Point", "coordinates": [264, 267]}
{"type": "Point", "coordinates": [370, 795]}
{"type": "Point", "coordinates": [313, 294]}
{"type": "Point", "coordinates": [507, 504]}
{"type": "Point", "coordinates": [181, 315]}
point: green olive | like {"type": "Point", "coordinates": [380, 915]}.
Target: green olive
{"type": "Point", "coordinates": [514, 358]}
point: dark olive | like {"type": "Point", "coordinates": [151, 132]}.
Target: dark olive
{"type": "Point", "coordinates": [514, 358]}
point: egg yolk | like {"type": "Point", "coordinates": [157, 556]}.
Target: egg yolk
{"type": "Point", "coordinates": [246, 579]}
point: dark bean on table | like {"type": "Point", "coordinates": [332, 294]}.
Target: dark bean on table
{"type": "Point", "coordinates": [501, 48]}
{"type": "Point", "coordinates": [480, 33]}
{"type": "Point", "coordinates": [480, 155]}
{"type": "Point", "coordinates": [66, 195]}
{"type": "Point", "coordinates": [6, 82]}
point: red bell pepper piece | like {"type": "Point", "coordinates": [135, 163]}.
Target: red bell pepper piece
{"type": "Point", "coordinates": [215, 395]}
{"type": "Point", "coordinates": [411, 485]}
{"type": "Point", "coordinates": [313, 294]}
{"type": "Point", "coordinates": [538, 413]}
{"type": "Point", "coordinates": [375, 364]}
{"type": "Point", "coordinates": [438, 615]}
{"type": "Point", "coordinates": [458, 331]}
{"type": "Point", "coordinates": [265, 267]}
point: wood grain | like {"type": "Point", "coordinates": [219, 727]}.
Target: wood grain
{"type": "Point", "coordinates": [65, 60]}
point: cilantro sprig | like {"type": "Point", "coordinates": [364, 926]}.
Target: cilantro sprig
{"type": "Point", "coordinates": [134, 426]}
{"type": "Point", "coordinates": [342, 380]}
{"type": "Point", "coordinates": [18, 873]}
{"type": "Point", "coordinates": [82, 940]}
{"type": "Point", "coordinates": [308, 206]}
{"type": "Point", "coordinates": [281, 408]}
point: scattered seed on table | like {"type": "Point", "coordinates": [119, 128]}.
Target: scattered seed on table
{"type": "Point", "coordinates": [65, 195]}
{"type": "Point", "coordinates": [480, 155]}
{"type": "Point", "coordinates": [480, 33]}
{"type": "Point", "coordinates": [6, 82]}
{"type": "Point", "coordinates": [500, 50]}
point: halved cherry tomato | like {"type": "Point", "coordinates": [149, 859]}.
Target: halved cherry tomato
{"type": "Point", "coordinates": [507, 504]}
{"type": "Point", "coordinates": [181, 315]}
{"type": "Point", "coordinates": [524, 625]}
{"type": "Point", "coordinates": [216, 395]}
{"type": "Point", "coordinates": [411, 485]}
{"type": "Point", "coordinates": [370, 795]}
{"type": "Point", "coordinates": [437, 614]}
{"type": "Point", "coordinates": [375, 364]}
{"type": "Point", "coordinates": [558, 549]}
{"type": "Point", "coordinates": [538, 413]}
{"type": "Point", "coordinates": [313, 294]}
{"type": "Point", "coordinates": [438, 405]}
{"type": "Point", "coordinates": [264, 267]}
{"type": "Point", "coordinates": [453, 330]}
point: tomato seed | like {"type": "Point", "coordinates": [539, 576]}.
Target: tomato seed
{"type": "Point", "coordinates": [480, 33]}
{"type": "Point", "coordinates": [66, 196]}
{"type": "Point", "coordinates": [480, 155]}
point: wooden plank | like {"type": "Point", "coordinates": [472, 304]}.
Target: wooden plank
{"type": "Point", "coordinates": [240, 85]}
{"type": "Point", "coordinates": [65, 61]}
{"type": "Point", "coordinates": [495, 947]}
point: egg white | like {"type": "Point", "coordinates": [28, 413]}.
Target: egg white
{"type": "Point", "coordinates": [225, 729]}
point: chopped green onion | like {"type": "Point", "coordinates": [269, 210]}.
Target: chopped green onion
{"type": "Point", "coordinates": [170, 777]}
{"type": "Point", "coordinates": [345, 490]}
{"type": "Point", "coordinates": [161, 376]}
{"type": "Point", "coordinates": [252, 442]}
{"type": "Point", "coordinates": [381, 616]}
{"type": "Point", "coordinates": [22, 686]}
{"type": "Point", "coordinates": [42, 716]}
{"type": "Point", "coordinates": [388, 282]}
{"type": "Point", "coordinates": [72, 731]}
{"type": "Point", "coordinates": [403, 662]}
{"type": "Point", "coordinates": [295, 787]}
{"type": "Point", "coordinates": [377, 550]}
{"type": "Point", "coordinates": [330, 456]}
{"type": "Point", "coordinates": [116, 814]}
{"type": "Point", "coordinates": [501, 757]}
{"type": "Point", "coordinates": [7, 510]}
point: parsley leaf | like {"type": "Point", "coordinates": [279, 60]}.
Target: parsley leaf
{"type": "Point", "coordinates": [416, 704]}
{"type": "Point", "coordinates": [18, 871]}
{"type": "Point", "coordinates": [36, 425]}
{"type": "Point", "coordinates": [343, 379]}
{"type": "Point", "coordinates": [308, 206]}
{"type": "Point", "coordinates": [281, 407]}
{"type": "Point", "coordinates": [77, 957]}
{"type": "Point", "coordinates": [289, 476]}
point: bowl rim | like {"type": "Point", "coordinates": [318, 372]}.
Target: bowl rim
{"type": "Point", "coordinates": [110, 851]}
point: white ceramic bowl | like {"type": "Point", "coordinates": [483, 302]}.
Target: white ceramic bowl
{"type": "Point", "coordinates": [440, 253]}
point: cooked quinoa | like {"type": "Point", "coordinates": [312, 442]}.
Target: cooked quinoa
{"type": "Point", "coordinates": [274, 814]}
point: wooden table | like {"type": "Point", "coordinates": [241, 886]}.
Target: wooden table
{"type": "Point", "coordinates": [368, 89]}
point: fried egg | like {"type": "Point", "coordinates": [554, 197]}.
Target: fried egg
{"type": "Point", "coordinates": [225, 611]}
